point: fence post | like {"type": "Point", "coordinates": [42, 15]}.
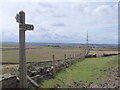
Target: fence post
{"type": "Point", "coordinates": [65, 60]}
{"type": "Point", "coordinates": [65, 56]}
{"type": "Point", "coordinates": [54, 70]}
{"type": "Point", "coordinates": [74, 57]}
{"type": "Point", "coordinates": [70, 58]}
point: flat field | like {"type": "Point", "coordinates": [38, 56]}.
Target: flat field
{"type": "Point", "coordinates": [10, 54]}
{"type": "Point", "coordinates": [38, 53]}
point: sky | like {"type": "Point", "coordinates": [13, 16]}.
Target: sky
{"type": "Point", "coordinates": [62, 22]}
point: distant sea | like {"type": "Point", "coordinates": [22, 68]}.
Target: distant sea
{"type": "Point", "coordinates": [59, 44]}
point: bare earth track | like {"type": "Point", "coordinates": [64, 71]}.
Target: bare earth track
{"type": "Point", "coordinates": [112, 82]}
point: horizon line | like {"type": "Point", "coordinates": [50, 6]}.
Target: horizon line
{"type": "Point", "coordinates": [57, 42]}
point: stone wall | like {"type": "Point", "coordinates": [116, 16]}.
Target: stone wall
{"type": "Point", "coordinates": [8, 81]}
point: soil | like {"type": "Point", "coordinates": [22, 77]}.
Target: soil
{"type": "Point", "coordinates": [112, 82]}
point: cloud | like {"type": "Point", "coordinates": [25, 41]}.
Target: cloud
{"type": "Point", "coordinates": [75, 18]}
{"type": "Point", "coordinates": [103, 10]}
{"type": "Point", "coordinates": [59, 16]}
{"type": "Point", "coordinates": [58, 24]}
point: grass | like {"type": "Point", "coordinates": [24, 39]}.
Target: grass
{"type": "Point", "coordinates": [90, 70]}
{"type": "Point", "coordinates": [8, 69]}
{"type": "Point", "coordinates": [7, 46]}
{"type": "Point", "coordinates": [42, 53]}
{"type": "Point", "coordinates": [39, 54]}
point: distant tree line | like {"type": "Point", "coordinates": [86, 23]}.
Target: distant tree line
{"type": "Point", "coordinates": [53, 46]}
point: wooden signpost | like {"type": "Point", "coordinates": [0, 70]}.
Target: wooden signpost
{"type": "Point", "coordinates": [20, 18]}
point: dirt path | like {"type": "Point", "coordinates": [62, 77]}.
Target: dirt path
{"type": "Point", "coordinates": [112, 82]}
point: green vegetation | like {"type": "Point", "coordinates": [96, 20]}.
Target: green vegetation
{"type": "Point", "coordinates": [9, 71]}
{"type": "Point", "coordinates": [90, 70]}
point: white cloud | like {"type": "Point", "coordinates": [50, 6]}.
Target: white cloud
{"type": "Point", "coordinates": [61, 21]}
{"type": "Point", "coordinates": [103, 10]}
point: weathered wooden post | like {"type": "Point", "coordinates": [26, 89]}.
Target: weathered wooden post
{"type": "Point", "coordinates": [65, 56]}
{"type": "Point", "coordinates": [65, 60]}
{"type": "Point", "coordinates": [54, 70]}
{"type": "Point", "coordinates": [20, 18]}
{"type": "Point", "coordinates": [70, 58]}
{"type": "Point", "coordinates": [74, 57]}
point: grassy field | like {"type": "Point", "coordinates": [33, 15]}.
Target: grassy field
{"type": "Point", "coordinates": [11, 53]}
{"type": "Point", "coordinates": [40, 53]}
{"type": "Point", "coordinates": [89, 70]}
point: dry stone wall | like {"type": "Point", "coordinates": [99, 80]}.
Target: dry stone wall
{"type": "Point", "coordinates": [8, 81]}
{"type": "Point", "coordinates": [39, 74]}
